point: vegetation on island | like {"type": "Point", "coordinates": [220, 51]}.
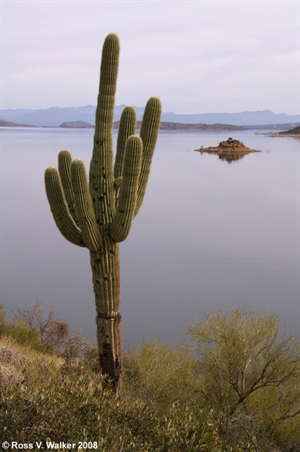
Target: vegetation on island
{"type": "Point", "coordinates": [228, 150]}
{"type": "Point", "coordinates": [294, 131]}
{"type": "Point", "coordinates": [234, 386]}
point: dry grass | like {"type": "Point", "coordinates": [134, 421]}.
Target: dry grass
{"type": "Point", "coordinates": [21, 364]}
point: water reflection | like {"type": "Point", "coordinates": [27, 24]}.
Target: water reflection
{"type": "Point", "coordinates": [229, 156]}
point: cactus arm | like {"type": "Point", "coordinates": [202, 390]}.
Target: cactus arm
{"type": "Point", "coordinates": [128, 192]}
{"type": "Point", "coordinates": [59, 208]}
{"type": "Point", "coordinates": [64, 163]}
{"type": "Point", "coordinates": [107, 87]}
{"type": "Point", "coordinates": [101, 170]}
{"type": "Point", "coordinates": [149, 133]}
{"type": "Point", "coordinates": [84, 207]}
{"type": "Point", "coordinates": [126, 129]}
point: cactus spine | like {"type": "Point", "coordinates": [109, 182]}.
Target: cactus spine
{"type": "Point", "coordinates": [98, 214]}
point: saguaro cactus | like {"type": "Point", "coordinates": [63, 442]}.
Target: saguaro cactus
{"type": "Point", "coordinates": [98, 214]}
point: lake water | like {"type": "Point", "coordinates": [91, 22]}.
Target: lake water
{"type": "Point", "coordinates": [209, 235]}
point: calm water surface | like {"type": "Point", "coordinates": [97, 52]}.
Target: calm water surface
{"type": "Point", "coordinates": [209, 234]}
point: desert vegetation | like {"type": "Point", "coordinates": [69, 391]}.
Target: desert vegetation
{"type": "Point", "coordinates": [234, 386]}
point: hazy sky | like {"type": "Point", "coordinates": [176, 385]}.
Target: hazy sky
{"type": "Point", "coordinates": [197, 56]}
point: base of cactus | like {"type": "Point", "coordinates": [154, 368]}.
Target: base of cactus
{"type": "Point", "coordinates": [110, 350]}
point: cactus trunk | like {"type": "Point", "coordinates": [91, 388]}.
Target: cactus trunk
{"type": "Point", "coordinates": [106, 281]}
{"type": "Point", "coordinates": [98, 215]}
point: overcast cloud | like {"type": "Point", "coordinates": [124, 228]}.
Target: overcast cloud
{"type": "Point", "coordinates": [198, 57]}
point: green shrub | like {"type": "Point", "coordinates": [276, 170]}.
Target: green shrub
{"type": "Point", "coordinates": [160, 375]}
{"type": "Point", "coordinates": [250, 370]}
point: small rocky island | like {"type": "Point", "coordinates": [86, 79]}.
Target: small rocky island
{"type": "Point", "coordinates": [228, 150]}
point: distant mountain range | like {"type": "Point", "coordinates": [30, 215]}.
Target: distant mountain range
{"type": "Point", "coordinates": [55, 116]}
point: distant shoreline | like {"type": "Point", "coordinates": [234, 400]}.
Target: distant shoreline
{"type": "Point", "coordinates": [284, 135]}
{"type": "Point", "coordinates": [163, 126]}
{"type": "Point", "coordinates": [169, 126]}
